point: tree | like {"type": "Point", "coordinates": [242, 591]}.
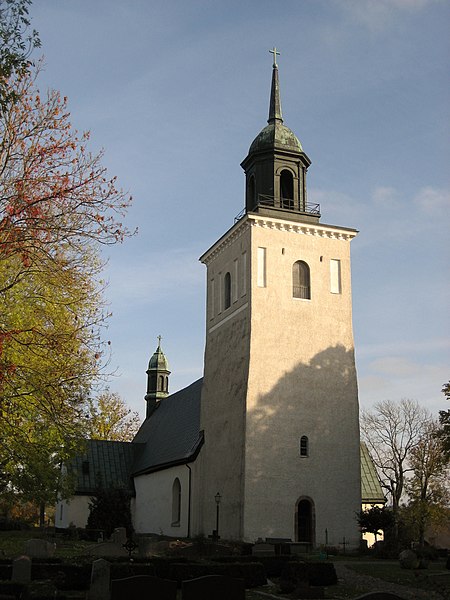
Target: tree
{"type": "Point", "coordinates": [375, 520]}
{"type": "Point", "coordinates": [16, 45]}
{"type": "Point", "coordinates": [390, 432]}
{"type": "Point", "coordinates": [110, 419]}
{"type": "Point", "coordinates": [110, 509]}
{"type": "Point", "coordinates": [428, 487]}
{"type": "Point", "coordinates": [444, 420]}
{"type": "Point", "coordinates": [57, 206]}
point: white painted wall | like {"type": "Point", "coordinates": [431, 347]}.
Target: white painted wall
{"type": "Point", "coordinates": [72, 512]}
{"type": "Point", "coordinates": [153, 505]}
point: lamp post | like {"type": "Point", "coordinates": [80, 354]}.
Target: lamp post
{"type": "Point", "coordinates": [217, 498]}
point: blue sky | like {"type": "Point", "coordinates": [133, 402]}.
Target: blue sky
{"type": "Point", "coordinates": [176, 90]}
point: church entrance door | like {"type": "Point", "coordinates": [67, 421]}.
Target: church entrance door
{"type": "Point", "coordinates": [305, 529]}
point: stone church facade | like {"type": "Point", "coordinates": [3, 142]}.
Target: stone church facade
{"type": "Point", "coordinates": [273, 426]}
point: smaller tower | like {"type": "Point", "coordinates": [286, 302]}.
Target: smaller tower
{"type": "Point", "coordinates": [157, 379]}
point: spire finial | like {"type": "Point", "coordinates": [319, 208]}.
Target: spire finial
{"type": "Point", "coordinates": [159, 340]}
{"type": "Point", "coordinates": [275, 102]}
{"type": "Point", "coordinates": [274, 52]}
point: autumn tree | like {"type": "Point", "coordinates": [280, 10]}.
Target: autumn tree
{"type": "Point", "coordinates": [109, 418]}
{"type": "Point", "coordinates": [375, 520]}
{"type": "Point", "coordinates": [57, 206]}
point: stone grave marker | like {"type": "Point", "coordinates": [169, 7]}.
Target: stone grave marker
{"type": "Point", "coordinates": [143, 586]}
{"type": "Point", "coordinates": [119, 535]}
{"type": "Point", "coordinates": [262, 548]}
{"type": "Point", "coordinates": [21, 570]}
{"type": "Point", "coordinates": [36, 548]}
{"type": "Point", "coordinates": [213, 587]}
{"type": "Point", "coordinates": [100, 580]}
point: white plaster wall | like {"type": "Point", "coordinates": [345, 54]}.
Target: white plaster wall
{"type": "Point", "coordinates": [302, 381]}
{"type": "Point", "coordinates": [221, 461]}
{"type": "Point", "coordinates": [153, 504]}
{"type": "Point", "coordinates": [74, 512]}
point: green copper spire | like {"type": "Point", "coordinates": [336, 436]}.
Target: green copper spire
{"type": "Point", "coordinates": [275, 102]}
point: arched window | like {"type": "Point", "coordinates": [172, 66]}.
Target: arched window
{"type": "Point", "coordinates": [301, 285]}
{"type": "Point", "coordinates": [304, 446]}
{"type": "Point", "coordinates": [176, 502]}
{"type": "Point", "coordinates": [287, 189]}
{"type": "Point", "coordinates": [161, 383]}
{"type": "Point", "coordinates": [227, 291]}
{"type": "Point", "coordinates": [251, 198]}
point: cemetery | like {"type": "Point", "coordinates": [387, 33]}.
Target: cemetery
{"type": "Point", "coordinates": [151, 567]}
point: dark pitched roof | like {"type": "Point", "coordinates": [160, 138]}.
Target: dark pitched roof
{"type": "Point", "coordinates": [371, 492]}
{"type": "Point", "coordinates": [171, 434]}
{"type": "Point", "coordinates": [104, 464]}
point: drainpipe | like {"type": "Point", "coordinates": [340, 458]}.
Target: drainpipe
{"type": "Point", "coordinates": [189, 502]}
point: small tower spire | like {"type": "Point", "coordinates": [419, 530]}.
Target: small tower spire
{"type": "Point", "coordinates": [275, 102]}
{"type": "Point", "coordinates": [157, 378]}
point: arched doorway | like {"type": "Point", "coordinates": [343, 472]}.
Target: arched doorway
{"type": "Point", "coordinates": [305, 522]}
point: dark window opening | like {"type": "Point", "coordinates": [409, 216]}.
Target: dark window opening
{"type": "Point", "coordinates": [304, 450]}
{"type": "Point", "coordinates": [301, 285]}
{"type": "Point", "coordinates": [251, 203]}
{"type": "Point", "coordinates": [176, 502]}
{"type": "Point", "coordinates": [287, 189]}
{"type": "Point", "coordinates": [227, 291]}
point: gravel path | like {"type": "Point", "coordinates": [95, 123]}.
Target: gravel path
{"type": "Point", "coordinates": [378, 585]}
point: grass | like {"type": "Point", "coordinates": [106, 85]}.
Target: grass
{"type": "Point", "coordinates": [12, 543]}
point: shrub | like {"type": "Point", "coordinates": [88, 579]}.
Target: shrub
{"type": "Point", "coordinates": [110, 509]}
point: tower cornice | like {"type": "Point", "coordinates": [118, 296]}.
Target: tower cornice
{"type": "Point", "coordinates": [345, 234]}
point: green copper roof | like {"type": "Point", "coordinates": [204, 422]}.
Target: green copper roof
{"type": "Point", "coordinates": [371, 491]}
{"type": "Point", "coordinates": [158, 361]}
{"type": "Point", "coordinates": [275, 134]}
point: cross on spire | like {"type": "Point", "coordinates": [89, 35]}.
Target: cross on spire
{"type": "Point", "coordinates": [274, 52]}
{"type": "Point", "coordinates": [159, 340]}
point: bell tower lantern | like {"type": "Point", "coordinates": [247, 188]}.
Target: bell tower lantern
{"type": "Point", "coordinates": [157, 378]}
{"type": "Point", "coordinates": [275, 167]}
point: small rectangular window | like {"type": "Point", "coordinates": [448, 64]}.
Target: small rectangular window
{"type": "Point", "coordinates": [234, 286]}
{"type": "Point", "coordinates": [335, 276]}
{"type": "Point", "coordinates": [244, 273]}
{"type": "Point", "coordinates": [212, 289]}
{"type": "Point", "coordinates": [261, 272]}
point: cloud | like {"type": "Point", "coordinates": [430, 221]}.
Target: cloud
{"type": "Point", "coordinates": [377, 14]}
{"type": "Point", "coordinates": [431, 200]}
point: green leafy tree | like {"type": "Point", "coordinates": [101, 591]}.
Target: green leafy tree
{"type": "Point", "coordinates": [109, 418]}
{"type": "Point", "coordinates": [444, 420]}
{"type": "Point", "coordinates": [375, 520]}
{"type": "Point", "coordinates": [16, 45]}
{"type": "Point", "coordinates": [428, 486]}
{"type": "Point", "coordinates": [110, 509]}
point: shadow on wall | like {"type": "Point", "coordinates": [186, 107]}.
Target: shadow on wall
{"type": "Point", "coordinates": [303, 436]}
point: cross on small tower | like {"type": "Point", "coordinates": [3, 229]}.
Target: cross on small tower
{"type": "Point", "coordinates": [159, 340]}
{"type": "Point", "coordinates": [274, 52]}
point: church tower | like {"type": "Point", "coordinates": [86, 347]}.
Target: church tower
{"type": "Point", "coordinates": [157, 379]}
{"type": "Point", "coordinates": [279, 405]}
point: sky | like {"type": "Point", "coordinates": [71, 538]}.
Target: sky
{"type": "Point", "coordinates": [175, 91]}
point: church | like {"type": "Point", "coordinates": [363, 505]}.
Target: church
{"type": "Point", "coordinates": [266, 444]}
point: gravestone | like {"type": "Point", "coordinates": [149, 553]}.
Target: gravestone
{"type": "Point", "coordinates": [36, 548]}
{"type": "Point", "coordinates": [143, 586]}
{"type": "Point", "coordinates": [213, 587]}
{"type": "Point", "coordinates": [119, 535]}
{"type": "Point", "coordinates": [21, 570]}
{"type": "Point", "coordinates": [408, 560]}
{"type": "Point", "coordinates": [262, 548]}
{"type": "Point", "coordinates": [100, 580]}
